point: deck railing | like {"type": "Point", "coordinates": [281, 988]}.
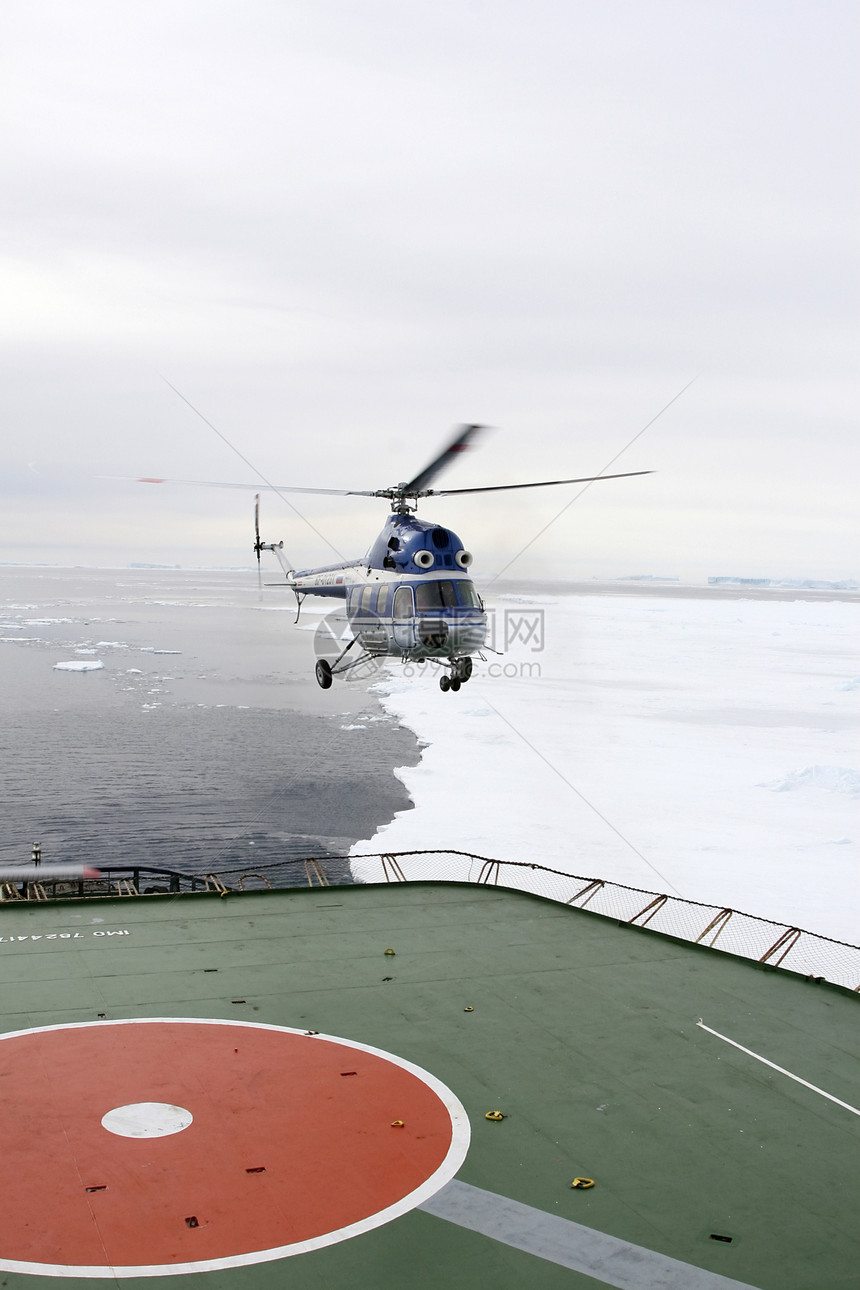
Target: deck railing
{"type": "Point", "coordinates": [818, 957]}
{"type": "Point", "coordinates": [721, 928]}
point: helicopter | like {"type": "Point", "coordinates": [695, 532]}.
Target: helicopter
{"type": "Point", "coordinates": [412, 595]}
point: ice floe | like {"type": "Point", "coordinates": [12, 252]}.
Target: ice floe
{"type": "Point", "coordinates": [837, 779]}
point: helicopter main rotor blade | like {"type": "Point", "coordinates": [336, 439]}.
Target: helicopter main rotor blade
{"type": "Point", "coordinates": [541, 483]}
{"type": "Point", "coordinates": [257, 488]}
{"type": "Point", "coordinates": [458, 444]}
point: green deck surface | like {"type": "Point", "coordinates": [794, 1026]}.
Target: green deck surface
{"type": "Point", "coordinates": [583, 1033]}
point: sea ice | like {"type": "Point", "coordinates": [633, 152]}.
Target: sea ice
{"type": "Point", "coordinates": [838, 779]}
{"type": "Point", "coordinates": [78, 666]}
{"type": "Point", "coordinates": [629, 744]}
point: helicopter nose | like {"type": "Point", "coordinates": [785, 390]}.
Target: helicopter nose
{"type": "Point", "coordinates": [467, 635]}
{"type": "Point", "coordinates": [434, 635]}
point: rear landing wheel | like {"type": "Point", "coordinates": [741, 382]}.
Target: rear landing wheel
{"type": "Point", "coordinates": [322, 671]}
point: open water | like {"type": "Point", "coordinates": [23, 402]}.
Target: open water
{"type": "Point", "coordinates": [203, 743]}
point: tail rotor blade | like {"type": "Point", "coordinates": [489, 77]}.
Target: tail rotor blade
{"type": "Point", "coordinates": [258, 546]}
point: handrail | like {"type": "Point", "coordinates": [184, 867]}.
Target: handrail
{"type": "Point", "coordinates": [775, 945]}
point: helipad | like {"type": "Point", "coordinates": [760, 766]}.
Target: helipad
{"type": "Point", "coordinates": [168, 1108]}
{"type": "Point", "coordinates": [183, 1145]}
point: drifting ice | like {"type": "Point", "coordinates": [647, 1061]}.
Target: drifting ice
{"type": "Point", "coordinates": [839, 779]}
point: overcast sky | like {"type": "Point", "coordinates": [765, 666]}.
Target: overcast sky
{"type": "Point", "coordinates": [342, 227]}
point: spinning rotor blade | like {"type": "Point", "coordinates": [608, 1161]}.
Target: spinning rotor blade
{"type": "Point", "coordinates": [268, 488]}
{"type": "Point", "coordinates": [541, 483]}
{"type": "Point", "coordinates": [415, 487]}
{"type": "Point", "coordinates": [398, 493]}
{"type": "Point", "coordinates": [458, 444]}
{"type": "Point", "coordinates": [258, 546]}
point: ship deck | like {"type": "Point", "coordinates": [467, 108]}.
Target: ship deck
{"type": "Point", "coordinates": [302, 1135]}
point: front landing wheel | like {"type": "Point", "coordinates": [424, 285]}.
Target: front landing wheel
{"type": "Point", "coordinates": [322, 671]}
{"type": "Point", "coordinates": [444, 683]}
{"type": "Point", "coordinates": [463, 669]}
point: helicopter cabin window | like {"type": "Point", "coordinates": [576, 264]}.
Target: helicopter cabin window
{"type": "Point", "coordinates": [403, 602]}
{"type": "Point", "coordinates": [367, 596]}
{"type": "Point", "coordinates": [382, 602]}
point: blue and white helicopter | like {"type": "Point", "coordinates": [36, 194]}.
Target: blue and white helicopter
{"type": "Point", "coordinates": [412, 596]}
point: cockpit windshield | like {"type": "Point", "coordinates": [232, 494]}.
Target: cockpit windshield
{"type": "Point", "coordinates": [442, 594]}
{"type": "Point", "coordinates": [468, 594]}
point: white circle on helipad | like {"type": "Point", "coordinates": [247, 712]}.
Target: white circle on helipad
{"type": "Point", "coordinates": [147, 1120]}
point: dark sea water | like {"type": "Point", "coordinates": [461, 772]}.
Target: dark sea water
{"type": "Point", "coordinates": [203, 743]}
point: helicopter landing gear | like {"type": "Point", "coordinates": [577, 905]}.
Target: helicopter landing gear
{"type": "Point", "coordinates": [322, 672]}
{"type": "Point", "coordinates": [461, 670]}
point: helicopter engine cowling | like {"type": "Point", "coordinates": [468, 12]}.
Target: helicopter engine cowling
{"type": "Point", "coordinates": [408, 545]}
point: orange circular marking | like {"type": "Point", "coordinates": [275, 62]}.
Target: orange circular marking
{"type": "Point", "coordinates": [286, 1145]}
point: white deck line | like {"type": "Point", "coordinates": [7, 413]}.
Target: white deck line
{"type": "Point", "coordinates": [605, 1258]}
{"type": "Point", "coordinates": [847, 1106]}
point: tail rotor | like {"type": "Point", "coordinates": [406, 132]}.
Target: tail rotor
{"type": "Point", "coordinates": [258, 545]}
{"type": "Point", "coordinates": [277, 549]}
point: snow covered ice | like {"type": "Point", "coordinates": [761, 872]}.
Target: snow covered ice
{"type": "Point", "coordinates": [705, 747]}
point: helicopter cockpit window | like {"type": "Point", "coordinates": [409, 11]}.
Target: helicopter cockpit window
{"type": "Point", "coordinates": [468, 594]}
{"type": "Point", "coordinates": [403, 602]}
{"type": "Point", "coordinates": [435, 595]}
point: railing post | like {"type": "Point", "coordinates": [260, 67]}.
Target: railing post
{"type": "Point", "coordinates": [592, 888]}
{"type": "Point", "coordinates": [719, 921]}
{"type": "Point", "coordinates": [789, 939]}
{"type": "Point", "coordinates": [655, 906]}
{"type": "Point", "coordinates": [313, 869]}
{"type": "Point", "coordinates": [396, 871]}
